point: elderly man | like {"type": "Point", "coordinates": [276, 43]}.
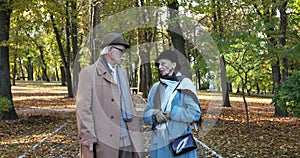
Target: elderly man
{"type": "Point", "coordinates": [107, 122]}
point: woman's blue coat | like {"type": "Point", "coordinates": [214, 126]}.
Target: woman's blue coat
{"type": "Point", "coordinates": [184, 110]}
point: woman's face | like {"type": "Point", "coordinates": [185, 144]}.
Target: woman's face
{"type": "Point", "coordinates": [166, 67]}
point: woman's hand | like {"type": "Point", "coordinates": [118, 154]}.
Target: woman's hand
{"type": "Point", "coordinates": [168, 115]}
{"type": "Point", "coordinates": [160, 117]}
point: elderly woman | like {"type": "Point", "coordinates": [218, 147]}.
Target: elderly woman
{"type": "Point", "coordinates": [172, 107]}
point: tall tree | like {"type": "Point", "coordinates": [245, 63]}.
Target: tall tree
{"type": "Point", "coordinates": [267, 11]}
{"type": "Point", "coordinates": [94, 21]}
{"type": "Point", "coordinates": [174, 29]}
{"type": "Point", "coordinates": [65, 58]}
{"type": "Point", "coordinates": [74, 30]}
{"type": "Point", "coordinates": [147, 36]}
{"type": "Point", "coordinates": [44, 66]}
{"type": "Point", "coordinates": [175, 32]}
{"type": "Point", "coordinates": [69, 63]}
{"type": "Point", "coordinates": [40, 48]}
{"type": "Point", "coordinates": [5, 85]}
{"type": "Point", "coordinates": [282, 42]}
{"type": "Point", "coordinates": [224, 83]}
{"type": "Point", "coordinates": [219, 28]}
{"type": "Point", "coordinates": [282, 38]}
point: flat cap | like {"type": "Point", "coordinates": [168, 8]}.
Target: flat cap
{"type": "Point", "coordinates": [114, 38]}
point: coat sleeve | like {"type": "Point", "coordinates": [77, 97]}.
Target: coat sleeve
{"type": "Point", "coordinates": [185, 109]}
{"type": "Point", "coordinates": [84, 108]}
{"type": "Point", "coordinates": [148, 112]}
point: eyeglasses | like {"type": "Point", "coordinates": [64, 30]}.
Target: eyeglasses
{"type": "Point", "coordinates": [121, 50]}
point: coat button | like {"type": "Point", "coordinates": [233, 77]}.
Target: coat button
{"type": "Point", "coordinates": [112, 99]}
{"type": "Point", "coordinates": [111, 117]}
{"type": "Point", "coordinates": [110, 135]}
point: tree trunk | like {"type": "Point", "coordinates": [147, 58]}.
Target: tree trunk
{"type": "Point", "coordinates": [56, 74]}
{"type": "Point", "coordinates": [145, 73]}
{"type": "Point", "coordinates": [74, 25]}
{"type": "Point", "coordinates": [69, 82]}
{"type": "Point", "coordinates": [68, 52]}
{"type": "Point", "coordinates": [284, 72]}
{"type": "Point", "coordinates": [63, 76]}
{"type": "Point", "coordinates": [198, 79]}
{"type": "Point", "coordinates": [276, 73]}
{"type": "Point", "coordinates": [5, 85]}
{"type": "Point", "coordinates": [257, 88]}
{"type": "Point", "coordinates": [94, 21]}
{"type": "Point", "coordinates": [29, 69]}
{"type": "Point", "coordinates": [246, 106]}
{"type": "Point", "coordinates": [276, 67]}
{"type": "Point", "coordinates": [65, 61]}
{"type": "Point", "coordinates": [282, 39]}
{"type": "Point", "coordinates": [230, 87]}
{"type": "Point", "coordinates": [225, 91]}
{"type": "Point", "coordinates": [14, 69]}
{"type": "Point", "coordinates": [44, 65]}
{"type": "Point", "coordinates": [276, 82]}
{"type": "Point", "coordinates": [175, 32]}
{"type": "Point", "coordinates": [76, 65]}
{"type": "Point", "coordinates": [174, 29]}
{"type": "Point", "coordinates": [238, 89]}
{"type": "Point", "coordinates": [268, 14]}
{"type": "Point", "coordinates": [218, 27]}
{"type": "Point", "coordinates": [21, 69]}
{"type": "Point", "coordinates": [132, 68]}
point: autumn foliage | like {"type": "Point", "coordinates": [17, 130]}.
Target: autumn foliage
{"type": "Point", "coordinates": [43, 108]}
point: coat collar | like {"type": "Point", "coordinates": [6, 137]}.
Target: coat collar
{"type": "Point", "coordinates": [102, 71]}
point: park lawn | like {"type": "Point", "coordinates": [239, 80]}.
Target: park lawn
{"type": "Point", "coordinates": [268, 137]}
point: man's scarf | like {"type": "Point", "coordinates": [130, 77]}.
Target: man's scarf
{"type": "Point", "coordinates": [125, 95]}
{"type": "Point", "coordinates": [124, 90]}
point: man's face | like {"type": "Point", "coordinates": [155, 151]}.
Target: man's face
{"type": "Point", "coordinates": [166, 67]}
{"type": "Point", "coordinates": [117, 54]}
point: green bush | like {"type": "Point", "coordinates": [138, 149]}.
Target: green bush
{"type": "Point", "coordinates": [288, 95]}
{"type": "Point", "coordinates": [5, 104]}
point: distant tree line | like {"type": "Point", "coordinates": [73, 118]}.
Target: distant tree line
{"type": "Point", "coordinates": [257, 41]}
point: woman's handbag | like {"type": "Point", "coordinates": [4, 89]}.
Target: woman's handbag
{"type": "Point", "coordinates": [183, 144]}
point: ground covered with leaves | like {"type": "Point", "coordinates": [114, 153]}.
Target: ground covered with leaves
{"type": "Point", "coordinates": [47, 126]}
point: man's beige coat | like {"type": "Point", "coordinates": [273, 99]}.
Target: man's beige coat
{"type": "Point", "coordinates": [98, 114]}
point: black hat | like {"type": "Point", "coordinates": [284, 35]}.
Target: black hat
{"type": "Point", "coordinates": [170, 55]}
{"type": "Point", "coordinates": [114, 38]}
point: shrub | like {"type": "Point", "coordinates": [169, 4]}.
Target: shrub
{"type": "Point", "coordinates": [5, 104]}
{"type": "Point", "coordinates": [288, 95]}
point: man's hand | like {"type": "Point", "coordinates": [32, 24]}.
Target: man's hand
{"type": "Point", "coordinates": [160, 117]}
{"type": "Point", "coordinates": [91, 147]}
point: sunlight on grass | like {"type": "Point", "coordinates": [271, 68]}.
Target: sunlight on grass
{"type": "Point", "coordinates": [26, 139]}
{"type": "Point", "coordinates": [41, 95]}
{"type": "Point", "coordinates": [37, 97]}
{"type": "Point", "coordinates": [37, 83]}
{"type": "Point", "coordinates": [39, 89]}
{"type": "Point", "coordinates": [218, 96]}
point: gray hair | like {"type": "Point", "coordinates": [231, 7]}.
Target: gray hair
{"type": "Point", "coordinates": [104, 50]}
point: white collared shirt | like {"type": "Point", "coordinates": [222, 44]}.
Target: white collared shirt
{"type": "Point", "coordinates": [113, 72]}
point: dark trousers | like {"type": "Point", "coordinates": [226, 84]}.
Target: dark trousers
{"type": "Point", "coordinates": [125, 152]}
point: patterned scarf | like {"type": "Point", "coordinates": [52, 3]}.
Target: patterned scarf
{"type": "Point", "coordinates": [159, 95]}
